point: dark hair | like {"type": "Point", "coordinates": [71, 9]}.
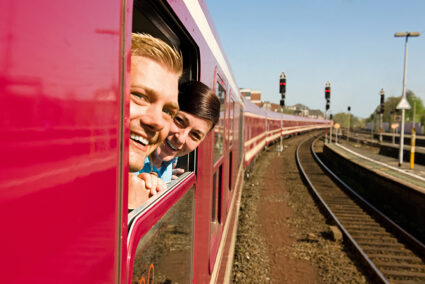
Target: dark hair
{"type": "Point", "coordinates": [198, 99]}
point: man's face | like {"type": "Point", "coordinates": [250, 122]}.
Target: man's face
{"type": "Point", "coordinates": [153, 104]}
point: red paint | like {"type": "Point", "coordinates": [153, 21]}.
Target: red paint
{"type": "Point", "coordinates": [60, 72]}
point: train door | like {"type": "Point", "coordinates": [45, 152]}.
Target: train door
{"type": "Point", "coordinates": [161, 231]}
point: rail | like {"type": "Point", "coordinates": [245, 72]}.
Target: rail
{"type": "Point", "coordinates": [391, 254]}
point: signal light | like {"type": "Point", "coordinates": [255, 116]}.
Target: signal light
{"type": "Point", "coordinates": [327, 105]}
{"type": "Point", "coordinates": [282, 85]}
{"type": "Point", "coordinates": [327, 93]}
{"type": "Point", "coordinates": [282, 103]}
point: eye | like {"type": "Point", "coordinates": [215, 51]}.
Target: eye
{"type": "Point", "coordinates": [139, 97]}
{"type": "Point", "coordinates": [196, 136]}
{"type": "Point", "coordinates": [179, 121]}
{"type": "Point", "coordinates": [169, 112]}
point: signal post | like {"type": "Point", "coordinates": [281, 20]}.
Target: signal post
{"type": "Point", "coordinates": [282, 91]}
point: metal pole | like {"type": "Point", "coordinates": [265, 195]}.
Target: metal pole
{"type": "Point", "coordinates": [326, 129]}
{"type": "Point", "coordinates": [348, 129]}
{"type": "Point", "coordinates": [380, 128]}
{"type": "Point", "coordinates": [414, 113]}
{"type": "Point", "coordinates": [330, 135]}
{"type": "Point", "coordinates": [400, 160]}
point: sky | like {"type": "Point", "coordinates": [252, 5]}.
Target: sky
{"type": "Point", "coordinates": [350, 43]}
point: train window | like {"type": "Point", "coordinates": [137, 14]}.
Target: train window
{"type": "Point", "coordinates": [216, 196]}
{"type": "Point", "coordinates": [164, 253]}
{"type": "Point", "coordinates": [214, 199]}
{"type": "Point", "coordinates": [155, 18]}
{"type": "Point", "coordinates": [219, 128]}
{"type": "Point", "coordinates": [231, 122]}
{"type": "Point", "coordinates": [160, 232]}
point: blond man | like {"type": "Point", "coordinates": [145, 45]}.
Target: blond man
{"type": "Point", "coordinates": [155, 71]}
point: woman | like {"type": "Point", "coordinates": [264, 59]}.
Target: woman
{"type": "Point", "coordinates": [199, 112]}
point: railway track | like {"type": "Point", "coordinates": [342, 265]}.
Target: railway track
{"type": "Point", "coordinates": [391, 254]}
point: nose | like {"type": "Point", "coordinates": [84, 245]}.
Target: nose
{"type": "Point", "coordinates": [182, 135]}
{"type": "Point", "coordinates": [153, 119]}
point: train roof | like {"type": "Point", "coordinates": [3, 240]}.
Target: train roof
{"type": "Point", "coordinates": [250, 107]}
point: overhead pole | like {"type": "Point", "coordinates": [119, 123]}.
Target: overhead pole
{"type": "Point", "coordinates": [406, 35]}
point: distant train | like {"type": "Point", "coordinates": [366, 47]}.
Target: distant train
{"type": "Point", "coordinates": [64, 80]}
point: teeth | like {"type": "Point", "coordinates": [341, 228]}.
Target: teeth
{"type": "Point", "coordinates": [139, 139]}
{"type": "Point", "coordinates": [170, 145]}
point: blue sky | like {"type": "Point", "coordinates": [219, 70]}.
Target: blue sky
{"type": "Point", "coordinates": [351, 43]}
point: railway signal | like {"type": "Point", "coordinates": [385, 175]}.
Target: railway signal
{"type": "Point", "coordinates": [282, 88]}
{"type": "Point", "coordinates": [328, 103]}
{"type": "Point", "coordinates": [328, 94]}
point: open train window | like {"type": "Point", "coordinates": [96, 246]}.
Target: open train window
{"type": "Point", "coordinates": [156, 18]}
{"type": "Point", "coordinates": [160, 232]}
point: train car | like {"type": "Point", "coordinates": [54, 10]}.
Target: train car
{"type": "Point", "coordinates": [64, 78]}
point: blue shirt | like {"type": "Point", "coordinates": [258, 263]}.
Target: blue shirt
{"type": "Point", "coordinates": [164, 172]}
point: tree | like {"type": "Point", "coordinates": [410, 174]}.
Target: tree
{"type": "Point", "coordinates": [343, 118]}
{"type": "Point", "coordinates": [391, 103]}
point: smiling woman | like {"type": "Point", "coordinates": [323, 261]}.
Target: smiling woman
{"type": "Point", "coordinates": [199, 113]}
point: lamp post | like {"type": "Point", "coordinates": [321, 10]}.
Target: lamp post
{"type": "Point", "coordinates": [406, 35]}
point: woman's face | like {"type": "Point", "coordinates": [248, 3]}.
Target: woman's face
{"type": "Point", "coordinates": [186, 132]}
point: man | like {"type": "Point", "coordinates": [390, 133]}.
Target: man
{"type": "Point", "coordinates": [155, 72]}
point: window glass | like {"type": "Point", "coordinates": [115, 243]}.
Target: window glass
{"type": "Point", "coordinates": [164, 254]}
{"type": "Point", "coordinates": [232, 119]}
{"type": "Point", "coordinates": [219, 128]}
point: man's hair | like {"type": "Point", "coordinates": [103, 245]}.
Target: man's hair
{"type": "Point", "coordinates": [148, 46]}
{"type": "Point", "coordinates": [198, 99]}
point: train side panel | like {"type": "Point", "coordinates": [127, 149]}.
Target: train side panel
{"type": "Point", "coordinates": [61, 127]}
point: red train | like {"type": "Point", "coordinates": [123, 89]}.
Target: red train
{"type": "Point", "coordinates": [64, 80]}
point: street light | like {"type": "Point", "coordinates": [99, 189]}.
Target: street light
{"type": "Point", "coordinates": [405, 35]}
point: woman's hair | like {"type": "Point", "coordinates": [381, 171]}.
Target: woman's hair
{"type": "Point", "coordinates": [198, 99]}
{"type": "Point", "coordinates": [148, 46]}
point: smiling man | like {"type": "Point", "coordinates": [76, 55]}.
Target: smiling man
{"type": "Point", "coordinates": [155, 72]}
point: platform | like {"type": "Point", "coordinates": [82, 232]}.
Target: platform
{"type": "Point", "coordinates": [383, 165]}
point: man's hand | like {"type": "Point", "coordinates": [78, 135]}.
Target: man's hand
{"type": "Point", "coordinates": [153, 183]}
{"type": "Point", "coordinates": [137, 192]}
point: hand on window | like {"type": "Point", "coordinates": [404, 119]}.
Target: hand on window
{"type": "Point", "coordinates": [176, 172]}
{"type": "Point", "coordinates": [152, 183]}
{"type": "Point", "coordinates": [137, 191]}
